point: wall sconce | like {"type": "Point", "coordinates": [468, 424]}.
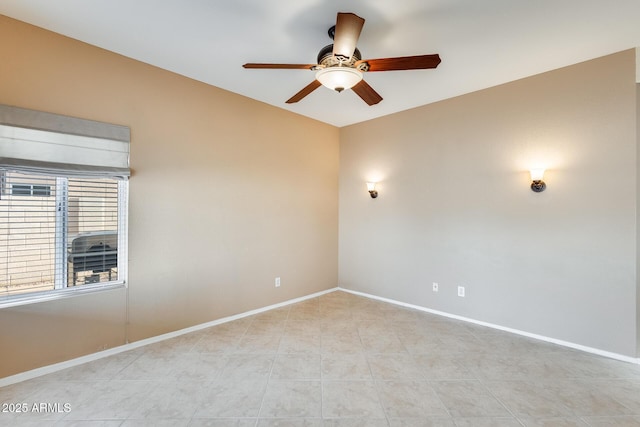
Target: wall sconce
{"type": "Point", "coordinates": [371, 186]}
{"type": "Point", "coordinates": [537, 184]}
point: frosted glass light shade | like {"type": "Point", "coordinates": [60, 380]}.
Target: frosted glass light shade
{"type": "Point", "coordinates": [537, 174]}
{"type": "Point", "coordinates": [339, 78]}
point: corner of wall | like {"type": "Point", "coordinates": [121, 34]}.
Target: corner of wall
{"type": "Point", "coordinates": [638, 65]}
{"type": "Point", "coordinates": [637, 201]}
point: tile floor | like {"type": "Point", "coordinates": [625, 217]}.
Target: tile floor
{"type": "Point", "coordinates": [338, 360]}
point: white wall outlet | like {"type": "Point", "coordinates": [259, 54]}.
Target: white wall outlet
{"type": "Point", "coordinates": [435, 286]}
{"type": "Point", "coordinates": [461, 291]}
{"type": "Point", "coordinates": [277, 282]}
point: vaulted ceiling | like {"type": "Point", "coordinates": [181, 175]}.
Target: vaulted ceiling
{"type": "Point", "coordinates": [481, 43]}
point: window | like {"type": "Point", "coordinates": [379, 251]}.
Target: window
{"type": "Point", "coordinates": [30, 190]}
{"type": "Point", "coordinates": [63, 215]}
{"type": "Point", "coordinates": [77, 225]}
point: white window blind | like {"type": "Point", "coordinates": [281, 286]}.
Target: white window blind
{"type": "Point", "coordinates": [63, 205]}
{"type": "Point", "coordinates": [79, 218]}
{"type": "Point", "coordinates": [42, 151]}
{"type": "Point", "coordinates": [40, 142]}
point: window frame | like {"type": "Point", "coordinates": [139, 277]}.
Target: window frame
{"type": "Point", "coordinates": [60, 263]}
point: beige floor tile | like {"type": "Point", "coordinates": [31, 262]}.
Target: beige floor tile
{"type": "Point", "coordinates": [259, 344]}
{"type": "Point", "coordinates": [20, 392]}
{"type": "Point", "coordinates": [284, 399]}
{"type": "Point", "coordinates": [266, 327]}
{"type": "Point", "coordinates": [345, 367]}
{"type": "Point", "coordinates": [442, 367]}
{"type": "Point", "coordinates": [351, 399]}
{"type": "Point", "coordinates": [626, 392]}
{"type": "Point", "coordinates": [330, 327]}
{"type": "Point", "coordinates": [396, 366]}
{"type": "Point", "coordinates": [199, 366]}
{"type": "Point", "coordinates": [291, 422]}
{"type": "Point", "coordinates": [296, 367]}
{"type": "Point", "coordinates": [527, 398]}
{"type": "Point", "coordinates": [451, 343]}
{"type": "Point", "coordinates": [307, 344]}
{"type": "Point", "coordinates": [355, 422]}
{"type": "Point", "coordinates": [248, 366]}
{"type": "Point", "coordinates": [421, 422]}
{"type": "Point", "coordinates": [101, 369]}
{"type": "Point", "coordinates": [419, 342]}
{"type": "Point", "coordinates": [302, 327]}
{"type": "Point", "coordinates": [487, 422]}
{"type": "Point", "coordinates": [623, 421]}
{"type": "Point", "coordinates": [500, 366]}
{"type": "Point", "coordinates": [222, 422]}
{"type": "Point", "coordinates": [586, 398]}
{"type": "Point", "coordinates": [335, 314]}
{"type": "Point", "coordinates": [376, 326]}
{"type": "Point", "coordinates": [231, 399]}
{"type": "Point", "coordinates": [582, 365]}
{"type": "Point", "coordinates": [341, 343]}
{"type": "Point", "coordinates": [554, 422]}
{"type": "Point", "coordinates": [311, 313]}
{"type": "Point", "coordinates": [117, 399]}
{"type": "Point", "coordinates": [152, 366]}
{"type": "Point", "coordinates": [364, 315]}
{"type": "Point", "coordinates": [410, 399]}
{"type": "Point", "coordinates": [381, 343]}
{"type": "Point", "coordinates": [339, 360]}
{"type": "Point", "coordinates": [217, 343]}
{"type": "Point", "coordinates": [111, 423]}
{"type": "Point", "coordinates": [173, 400]}
{"type": "Point", "coordinates": [466, 398]}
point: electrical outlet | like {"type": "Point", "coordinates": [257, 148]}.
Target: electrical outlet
{"type": "Point", "coordinates": [461, 291]}
{"type": "Point", "coordinates": [277, 282]}
{"type": "Point", "coordinates": [435, 287]}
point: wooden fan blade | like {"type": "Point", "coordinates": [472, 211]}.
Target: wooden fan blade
{"type": "Point", "coordinates": [419, 62]}
{"type": "Point", "coordinates": [281, 66]}
{"type": "Point", "coordinates": [304, 92]}
{"type": "Point", "coordinates": [348, 27]}
{"type": "Point", "coordinates": [366, 92]}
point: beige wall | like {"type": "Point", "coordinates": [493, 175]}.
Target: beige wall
{"type": "Point", "coordinates": [455, 205]}
{"type": "Point", "coordinates": [226, 194]}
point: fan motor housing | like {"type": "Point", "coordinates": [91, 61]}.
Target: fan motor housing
{"type": "Point", "coordinates": [327, 59]}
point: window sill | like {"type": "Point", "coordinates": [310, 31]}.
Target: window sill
{"type": "Point", "coordinates": [38, 297]}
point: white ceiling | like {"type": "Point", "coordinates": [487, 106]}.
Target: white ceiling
{"type": "Point", "coordinates": [482, 43]}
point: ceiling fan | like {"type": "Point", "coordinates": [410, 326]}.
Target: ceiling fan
{"type": "Point", "coordinates": [340, 65]}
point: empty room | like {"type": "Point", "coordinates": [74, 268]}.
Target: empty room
{"type": "Point", "coordinates": [327, 213]}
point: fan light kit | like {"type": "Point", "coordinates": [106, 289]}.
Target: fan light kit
{"type": "Point", "coordinates": [340, 65]}
{"type": "Point", "coordinates": [339, 78]}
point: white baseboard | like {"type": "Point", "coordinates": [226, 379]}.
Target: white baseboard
{"type": "Point", "coordinates": [34, 373]}
{"type": "Point", "coordinates": [49, 369]}
{"type": "Point", "coordinates": [592, 350]}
